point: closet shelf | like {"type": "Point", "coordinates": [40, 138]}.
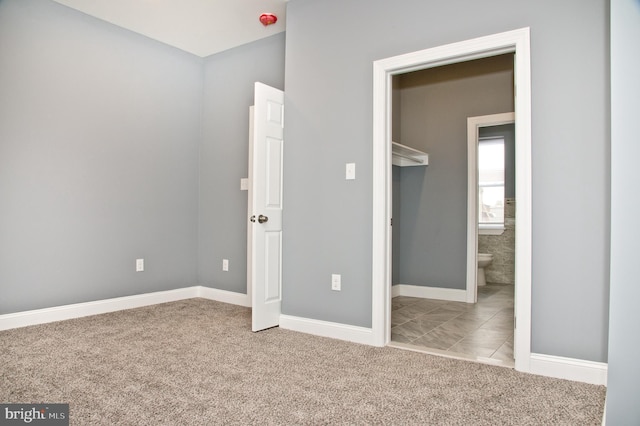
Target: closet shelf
{"type": "Point", "coordinates": [403, 156]}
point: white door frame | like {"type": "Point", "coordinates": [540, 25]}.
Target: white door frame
{"type": "Point", "coordinates": [473, 127]}
{"type": "Point", "coordinates": [516, 41]}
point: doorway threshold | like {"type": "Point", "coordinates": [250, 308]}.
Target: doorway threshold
{"type": "Point", "coordinates": [454, 355]}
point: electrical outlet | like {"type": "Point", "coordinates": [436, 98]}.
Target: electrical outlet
{"type": "Point", "coordinates": [336, 282]}
{"type": "Point", "coordinates": [139, 265]}
{"type": "Point", "coordinates": [225, 264]}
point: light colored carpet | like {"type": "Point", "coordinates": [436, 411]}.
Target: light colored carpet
{"type": "Point", "coordinates": [196, 362]}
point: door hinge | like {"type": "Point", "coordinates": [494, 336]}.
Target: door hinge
{"type": "Point", "coordinates": [391, 221]}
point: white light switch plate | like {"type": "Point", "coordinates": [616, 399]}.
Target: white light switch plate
{"type": "Point", "coordinates": [350, 171]}
{"type": "Point", "coordinates": [244, 184]}
{"type": "Point", "coordinates": [336, 282]}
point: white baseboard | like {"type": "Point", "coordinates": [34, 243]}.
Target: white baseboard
{"type": "Point", "coordinates": [224, 296]}
{"type": "Point", "coordinates": [78, 310]}
{"type": "Point", "coordinates": [569, 368]}
{"type": "Point", "coordinates": [334, 330]}
{"type": "Point", "coordinates": [450, 294]}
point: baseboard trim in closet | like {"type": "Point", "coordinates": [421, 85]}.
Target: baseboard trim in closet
{"type": "Point", "coordinates": [450, 294]}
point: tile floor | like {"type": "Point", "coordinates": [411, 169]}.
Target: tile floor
{"type": "Point", "coordinates": [477, 331]}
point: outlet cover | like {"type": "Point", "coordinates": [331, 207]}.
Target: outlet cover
{"type": "Point", "coordinates": [139, 265]}
{"type": "Point", "coordinates": [225, 264]}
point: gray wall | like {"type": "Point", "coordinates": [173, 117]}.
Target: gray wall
{"type": "Point", "coordinates": [623, 374]}
{"type": "Point", "coordinates": [228, 93]}
{"type": "Point", "coordinates": [396, 136]}
{"type": "Point", "coordinates": [329, 123]}
{"type": "Point", "coordinates": [397, 224]}
{"type": "Point", "coordinates": [435, 105]}
{"type": "Point", "coordinates": [99, 132]}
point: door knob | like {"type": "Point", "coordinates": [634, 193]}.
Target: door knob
{"type": "Point", "coordinates": [262, 219]}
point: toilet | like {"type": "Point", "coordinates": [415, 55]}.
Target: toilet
{"type": "Point", "coordinates": [484, 260]}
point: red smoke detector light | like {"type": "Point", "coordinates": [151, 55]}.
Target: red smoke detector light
{"type": "Point", "coordinates": [268, 19]}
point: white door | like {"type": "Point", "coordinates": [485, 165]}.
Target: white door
{"type": "Point", "coordinates": [266, 204]}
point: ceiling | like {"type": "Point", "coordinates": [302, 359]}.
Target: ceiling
{"type": "Point", "coordinates": [201, 27]}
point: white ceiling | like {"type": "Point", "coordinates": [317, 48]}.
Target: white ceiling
{"type": "Point", "coordinates": [201, 27]}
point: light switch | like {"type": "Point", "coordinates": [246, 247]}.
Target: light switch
{"type": "Point", "coordinates": [244, 184]}
{"type": "Point", "coordinates": [351, 171]}
{"type": "Point", "coordinates": [336, 282]}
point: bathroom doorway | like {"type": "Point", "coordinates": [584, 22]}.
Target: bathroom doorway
{"type": "Point", "coordinates": [516, 42]}
{"type": "Point", "coordinates": [491, 192]}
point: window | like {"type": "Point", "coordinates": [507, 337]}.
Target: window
{"type": "Point", "coordinates": [491, 184]}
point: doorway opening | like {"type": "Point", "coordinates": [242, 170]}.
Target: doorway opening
{"type": "Point", "coordinates": [516, 42]}
{"type": "Point", "coordinates": [491, 199]}
{"type": "Point", "coordinates": [437, 215]}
